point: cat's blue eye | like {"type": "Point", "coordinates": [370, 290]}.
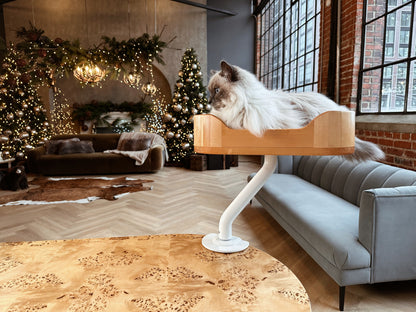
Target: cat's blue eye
{"type": "Point", "coordinates": [217, 90]}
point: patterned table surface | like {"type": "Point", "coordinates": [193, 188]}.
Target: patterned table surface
{"type": "Point", "coordinates": [144, 273]}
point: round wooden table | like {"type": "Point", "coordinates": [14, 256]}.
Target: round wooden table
{"type": "Point", "coordinates": [145, 273]}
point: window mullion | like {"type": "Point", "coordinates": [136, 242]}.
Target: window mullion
{"type": "Point", "coordinates": [409, 54]}
{"type": "Point", "coordinates": [383, 55]}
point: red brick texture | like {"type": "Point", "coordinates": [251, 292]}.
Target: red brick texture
{"type": "Point", "coordinates": [399, 147]}
{"type": "Point", "coordinates": [351, 20]}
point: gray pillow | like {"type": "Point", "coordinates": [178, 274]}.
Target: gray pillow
{"type": "Point", "coordinates": [52, 146]}
{"type": "Point", "coordinates": [74, 147]}
{"type": "Point", "coordinates": [139, 143]}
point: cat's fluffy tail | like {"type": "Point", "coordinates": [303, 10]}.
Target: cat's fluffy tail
{"type": "Point", "coordinates": [365, 151]}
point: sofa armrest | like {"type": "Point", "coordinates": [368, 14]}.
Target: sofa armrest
{"type": "Point", "coordinates": [157, 155]}
{"type": "Point", "coordinates": [387, 229]}
{"type": "Point", "coordinates": [33, 157]}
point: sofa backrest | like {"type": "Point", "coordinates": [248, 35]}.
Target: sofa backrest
{"type": "Point", "coordinates": [348, 179]}
{"type": "Point", "coordinates": [100, 142]}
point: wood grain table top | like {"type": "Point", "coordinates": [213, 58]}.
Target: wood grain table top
{"type": "Point", "coordinates": [144, 273]}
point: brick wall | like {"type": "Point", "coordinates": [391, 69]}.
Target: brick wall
{"type": "Point", "coordinates": [351, 18]}
{"type": "Point", "coordinates": [400, 147]}
{"type": "Point", "coordinates": [350, 51]}
{"type": "Point", "coordinates": [324, 46]}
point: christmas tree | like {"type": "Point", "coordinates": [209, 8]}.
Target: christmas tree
{"type": "Point", "coordinates": [189, 99]}
{"type": "Point", "coordinates": [23, 122]}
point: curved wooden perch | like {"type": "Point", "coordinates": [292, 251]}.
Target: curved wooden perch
{"type": "Point", "coordinates": [331, 133]}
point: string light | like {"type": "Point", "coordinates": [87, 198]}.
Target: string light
{"type": "Point", "coordinates": [155, 120]}
{"type": "Point", "coordinates": [61, 114]}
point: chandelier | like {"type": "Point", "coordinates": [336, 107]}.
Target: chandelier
{"type": "Point", "coordinates": [149, 88]}
{"type": "Point", "coordinates": [132, 79]}
{"type": "Point", "coordinates": [89, 73]}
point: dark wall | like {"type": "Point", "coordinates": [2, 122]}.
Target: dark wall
{"type": "Point", "coordinates": [231, 38]}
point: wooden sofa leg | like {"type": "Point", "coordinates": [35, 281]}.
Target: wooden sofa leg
{"type": "Point", "coordinates": [341, 297]}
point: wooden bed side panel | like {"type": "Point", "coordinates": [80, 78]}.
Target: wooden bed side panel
{"type": "Point", "coordinates": [331, 133]}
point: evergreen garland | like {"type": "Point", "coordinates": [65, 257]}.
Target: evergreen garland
{"type": "Point", "coordinates": [60, 56]}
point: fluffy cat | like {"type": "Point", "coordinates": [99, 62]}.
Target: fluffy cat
{"type": "Point", "coordinates": [241, 101]}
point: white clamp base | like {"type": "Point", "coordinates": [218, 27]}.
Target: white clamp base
{"type": "Point", "coordinates": [214, 243]}
{"type": "Point", "coordinates": [224, 241]}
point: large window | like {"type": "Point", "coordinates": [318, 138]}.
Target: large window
{"type": "Point", "coordinates": [289, 44]}
{"type": "Point", "coordinates": [388, 59]}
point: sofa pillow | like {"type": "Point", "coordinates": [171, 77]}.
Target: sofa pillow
{"type": "Point", "coordinates": [74, 147]}
{"type": "Point", "coordinates": [134, 145]}
{"type": "Point", "coordinates": [52, 146]}
{"type": "Point", "coordinates": [137, 143]}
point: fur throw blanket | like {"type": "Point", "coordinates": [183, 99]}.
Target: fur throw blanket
{"type": "Point", "coordinates": [137, 145]}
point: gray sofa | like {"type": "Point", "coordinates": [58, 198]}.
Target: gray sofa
{"type": "Point", "coordinates": [357, 221]}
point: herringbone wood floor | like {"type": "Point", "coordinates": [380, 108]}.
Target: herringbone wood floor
{"type": "Point", "coordinates": [184, 201]}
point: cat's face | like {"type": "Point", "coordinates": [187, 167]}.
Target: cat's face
{"type": "Point", "coordinates": [221, 88]}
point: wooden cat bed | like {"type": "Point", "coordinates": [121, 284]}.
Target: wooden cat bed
{"type": "Point", "coordinates": [331, 133]}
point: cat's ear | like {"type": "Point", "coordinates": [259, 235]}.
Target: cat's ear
{"type": "Point", "coordinates": [213, 72]}
{"type": "Point", "coordinates": [228, 71]}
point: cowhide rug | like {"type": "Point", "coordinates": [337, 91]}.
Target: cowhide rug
{"type": "Point", "coordinates": [49, 190]}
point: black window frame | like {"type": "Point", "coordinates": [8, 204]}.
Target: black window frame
{"type": "Point", "coordinates": [409, 60]}
{"type": "Point", "coordinates": [277, 69]}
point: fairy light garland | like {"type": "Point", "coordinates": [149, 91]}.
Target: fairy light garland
{"type": "Point", "coordinates": [61, 114]}
{"type": "Point", "coordinates": [155, 119]}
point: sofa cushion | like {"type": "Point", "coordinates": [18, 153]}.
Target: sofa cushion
{"type": "Point", "coordinates": [100, 142]}
{"type": "Point", "coordinates": [326, 221]}
{"type": "Point", "coordinates": [74, 147]}
{"type": "Point", "coordinates": [349, 180]}
{"type": "Point", "coordinates": [90, 163]}
{"type": "Point", "coordinates": [105, 141]}
{"type": "Point", "coordinates": [52, 146]}
{"type": "Point", "coordinates": [135, 141]}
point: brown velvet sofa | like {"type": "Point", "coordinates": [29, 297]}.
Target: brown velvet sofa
{"type": "Point", "coordinates": [92, 163]}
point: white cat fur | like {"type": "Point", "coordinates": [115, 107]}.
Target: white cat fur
{"type": "Point", "coordinates": [241, 101]}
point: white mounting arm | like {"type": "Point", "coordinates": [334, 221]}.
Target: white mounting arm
{"type": "Point", "coordinates": [224, 241]}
